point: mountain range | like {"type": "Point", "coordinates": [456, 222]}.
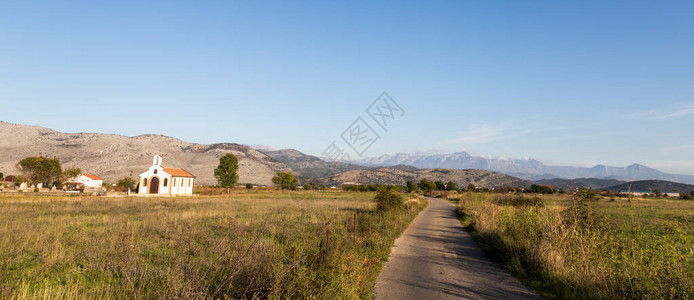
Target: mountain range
{"type": "Point", "coordinates": [112, 157]}
{"type": "Point", "coordinates": [529, 169]}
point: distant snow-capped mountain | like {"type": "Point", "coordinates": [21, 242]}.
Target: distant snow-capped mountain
{"type": "Point", "coordinates": [524, 168]}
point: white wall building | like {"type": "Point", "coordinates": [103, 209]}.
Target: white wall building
{"type": "Point", "coordinates": [90, 181]}
{"type": "Point", "coordinates": [165, 181]}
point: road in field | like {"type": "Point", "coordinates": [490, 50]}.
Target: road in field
{"type": "Point", "coordinates": [436, 259]}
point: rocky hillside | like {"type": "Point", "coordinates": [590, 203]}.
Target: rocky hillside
{"type": "Point", "coordinates": [461, 178]}
{"type": "Point", "coordinates": [115, 156]}
{"type": "Point", "coordinates": [307, 166]}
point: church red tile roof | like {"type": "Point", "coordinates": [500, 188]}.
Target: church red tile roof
{"type": "Point", "coordinates": [178, 172]}
{"type": "Point", "coordinates": [92, 177]}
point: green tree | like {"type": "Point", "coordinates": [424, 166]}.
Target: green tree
{"type": "Point", "coordinates": [440, 185]}
{"type": "Point", "coordinates": [285, 180]}
{"type": "Point", "coordinates": [470, 188]}
{"type": "Point", "coordinates": [226, 173]}
{"type": "Point", "coordinates": [2, 175]}
{"type": "Point", "coordinates": [71, 174]}
{"type": "Point", "coordinates": [40, 169]}
{"type": "Point", "coordinates": [126, 182]}
{"type": "Point", "coordinates": [411, 186]}
{"type": "Point", "coordinates": [249, 186]}
{"type": "Point", "coordinates": [450, 186]}
{"type": "Point", "coordinates": [426, 185]}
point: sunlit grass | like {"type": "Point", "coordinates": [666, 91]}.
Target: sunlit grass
{"type": "Point", "coordinates": [626, 249]}
{"type": "Point", "coordinates": [267, 244]}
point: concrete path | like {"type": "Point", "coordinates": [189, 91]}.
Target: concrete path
{"type": "Point", "coordinates": [436, 259]}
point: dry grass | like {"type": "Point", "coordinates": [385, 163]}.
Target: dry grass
{"type": "Point", "coordinates": [604, 249]}
{"type": "Point", "coordinates": [252, 244]}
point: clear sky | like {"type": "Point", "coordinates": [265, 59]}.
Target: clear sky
{"type": "Point", "coordinates": [566, 83]}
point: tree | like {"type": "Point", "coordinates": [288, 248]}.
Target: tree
{"type": "Point", "coordinates": [226, 172]}
{"type": "Point", "coordinates": [71, 174]}
{"type": "Point", "coordinates": [249, 186]}
{"type": "Point", "coordinates": [411, 186]}
{"type": "Point", "coordinates": [285, 180]}
{"type": "Point", "coordinates": [450, 186]}
{"type": "Point", "coordinates": [126, 182]}
{"type": "Point", "coordinates": [426, 185]}
{"type": "Point", "coordinates": [2, 175]}
{"type": "Point", "coordinates": [470, 188]}
{"type": "Point", "coordinates": [40, 169]}
{"type": "Point", "coordinates": [440, 185]}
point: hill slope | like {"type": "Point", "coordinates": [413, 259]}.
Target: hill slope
{"type": "Point", "coordinates": [308, 166]}
{"type": "Point", "coordinates": [113, 156]}
{"type": "Point", "coordinates": [571, 184]}
{"type": "Point", "coordinates": [461, 178]}
{"type": "Point", "coordinates": [651, 185]}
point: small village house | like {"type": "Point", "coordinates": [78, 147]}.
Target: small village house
{"type": "Point", "coordinates": [90, 181]}
{"type": "Point", "coordinates": [159, 180]}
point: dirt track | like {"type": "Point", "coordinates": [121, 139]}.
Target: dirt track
{"type": "Point", "coordinates": [436, 259]}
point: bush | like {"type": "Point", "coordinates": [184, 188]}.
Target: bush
{"type": "Point", "coordinates": [249, 186]}
{"type": "Point", "coordinates": [388, 199]}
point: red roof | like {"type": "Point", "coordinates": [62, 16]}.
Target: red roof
{"type": "Point", "coordinates": [92, 177]}
{"type": "Point", "coordinates": [178, 172]}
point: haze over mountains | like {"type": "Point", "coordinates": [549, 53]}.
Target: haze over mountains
{"type": "Point", "coordinates": [523, 168]}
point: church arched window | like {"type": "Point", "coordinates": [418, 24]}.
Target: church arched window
{"type": "Point", "coordinates": [155, 171]}
{"type": "Point", "coordinates": [166, 181]}
{"type": "Point", "coordinates": [144, 182]}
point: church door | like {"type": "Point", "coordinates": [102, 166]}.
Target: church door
{"type": "Point", "coordinates": [154, 185]}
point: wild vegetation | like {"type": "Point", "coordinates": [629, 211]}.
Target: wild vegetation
{"type": "Point", "coordinates": [253, 243]}
{"type": "Point", "coordinates": [585, 246]}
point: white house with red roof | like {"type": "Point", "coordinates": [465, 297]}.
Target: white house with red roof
{"type": "Point", "coordinates": [90, 181]}
{"type": "Point", "coordinates": [159, 180]}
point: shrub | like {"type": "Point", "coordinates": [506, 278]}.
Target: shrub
{"type": "Point", "coordinates": [126, 182]}
{"type": "Point", "coordinates": [249, 186]}
{"type": "Point", "coordinates": [388, 199]}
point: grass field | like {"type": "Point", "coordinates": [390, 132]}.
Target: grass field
{"type": "Point", "coordinates": [568, 247]}
{"type": "Point", "coordinates": [251, 244]}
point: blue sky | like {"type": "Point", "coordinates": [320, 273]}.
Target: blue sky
{"type": "Point", "coordinates": [567, 83]}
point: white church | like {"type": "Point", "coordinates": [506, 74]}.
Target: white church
{"type": "Point", "coordinates": [159, 180]}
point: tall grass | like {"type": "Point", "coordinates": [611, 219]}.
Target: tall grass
{"type": "Point", "coordinates": [577, 248]}
{"type": "Point", "coordinates": [253, 244]}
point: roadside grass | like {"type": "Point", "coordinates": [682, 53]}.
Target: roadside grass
{"type": "Point", "coordinates": [568, 248]}
{"type": "Point", "coordinates": [251, 244]}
